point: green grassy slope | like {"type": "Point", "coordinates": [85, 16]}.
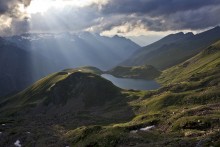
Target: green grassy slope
{"type": "Point", "coordinates": [184, 112]}
{"type": "Point", "coordinates": [43, 85]}
{"type": "Point", "coordinates": [70, 99]}
{"type": "Point", "coordinates": [166, 53]}
{"type": "Point", "coordinates": [136, 72]}
{"type": "Point", "coordinates": [68, 86]}
{"type": "Point", "coordinates": [88, 69]}
{"type": "Point", "coordinates": [207, 61]}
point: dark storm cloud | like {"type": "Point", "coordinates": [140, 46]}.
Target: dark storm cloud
{"type": "Point", "coordinates": [155, 7]}
{"type": "Point", "coordinates": [163, 15]}
{"type": "Point", "coordinates": [13, 21]}
{"type": "Point", "coordinates": [153, 15]}
{"type": "Point", "coordinates": [9, 6]}
{"type": "Point", "coordinates": [70, 18]}
{"type": "Point", "coordinates": [191, 19]}
{"type": "Point", "coordinates": [20, 26]}
{"type": "Point", "coordinates": [6, 5]}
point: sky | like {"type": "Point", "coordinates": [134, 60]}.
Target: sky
{"type": "Point", "coordinates": [139, 20]}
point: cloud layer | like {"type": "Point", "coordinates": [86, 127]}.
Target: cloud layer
{"type": "Point", "coordinates": [164, 15]}
{"type": "Point", "coordinates": [12, 19]}
{"type": "Point", "coordinates": [109, 17]}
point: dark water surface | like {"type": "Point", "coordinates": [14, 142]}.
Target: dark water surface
{"type": "Point", "coordinates": [135, 84]}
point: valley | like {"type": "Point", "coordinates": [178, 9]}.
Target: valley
{"type": "Point", "coordinates": [26, 58]}
{"type": "Point", "coordinates": [109, 73]}
{"type": "Point", "coordinates": [135, 84]}
{"type": "Point", "coordinates": [78, 107]}
{"type": "Point", "coordinates": [173, 49]}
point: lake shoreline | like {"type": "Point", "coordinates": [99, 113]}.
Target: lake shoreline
{"type": "Point", "coordinates": [135, 84]}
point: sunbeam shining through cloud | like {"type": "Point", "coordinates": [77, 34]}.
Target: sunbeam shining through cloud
{"type": "Point", "coordinates": [109, 73]}
{"type": "Point", "coordinates": [129, 18]}
{"type": "Point", "coordinates": [41, 6]}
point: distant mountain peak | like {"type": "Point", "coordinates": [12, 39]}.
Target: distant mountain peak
{"type": "Point", "coordinates": [213, 31]}
{"type": "Point", "coordinates": [182, 34]}
{"type": "Point", "coordinates": [217, 27]}
{"type": "Point", "coordinates": [173, 49]}
{"type": "Point", "coordinates": [177, 36]}
{"type": "Point", "coordinates": [179, 33]}
{"type": "Point", "coordinates": [118, 37]}
{"type": "Point", "coordinates": [189, 33]}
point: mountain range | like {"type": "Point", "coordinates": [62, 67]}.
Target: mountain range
{"type": "Point", "coordinates": [29, 57]}
{"type": "Point", "coordinates": [24, 58]}
{"type": "Point", "coordinates": [173, 49]}
{"type": "Point", "coordinates": [78, 49]}
{"type": "Point", "coordinates": [77, 107]}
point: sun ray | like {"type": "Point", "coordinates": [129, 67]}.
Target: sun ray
{"type": "Point", "coordinates": [41, 6]}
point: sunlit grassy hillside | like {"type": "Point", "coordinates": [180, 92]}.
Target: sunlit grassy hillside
{"type": "Point", "coordinates": [184, 112]}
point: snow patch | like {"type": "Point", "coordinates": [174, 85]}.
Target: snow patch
{"type": "Point", "coordinates": [3, 124]}
{"type": "Point", "coordinates": [134, 131]}
{"type": "Point", "coordinates": [17, 143]}
{"type": "Point", "coordinates": [52, 86]}
{"type": "Point", "coordinates": [147, 128]}
{"type": "Point", "coordinates": [142, 129]}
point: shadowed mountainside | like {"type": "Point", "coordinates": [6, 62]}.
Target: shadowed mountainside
{"type": "Point", "coordinates": [75, 50]}
{"type": "Point", "coordinates": [173, 49]}
{"type": "Point", "coordinates": [208, 60]}
{"type": "Point", "coordinates": [29, 57]}
{"type": "Point", "coordinates": [184, 112]}
{"type": "Point", "coordinates": [17, 67]}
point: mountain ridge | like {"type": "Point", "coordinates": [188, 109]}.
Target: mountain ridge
{"type": "Point", "coordinates": [206, 59]}
{"type": "Point", "coordinates": [37, 55]}
{"type": "Point", "coordinates": [179, 113]}
{"type": "Point", "coordinates": [163, 54]}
